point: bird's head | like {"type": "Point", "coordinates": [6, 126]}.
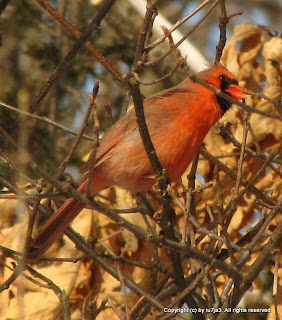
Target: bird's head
{"type": "Point", "coordinates": [221, 78]}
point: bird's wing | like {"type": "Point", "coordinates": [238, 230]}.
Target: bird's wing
{"type": "Point", "coordinates": [112, 137]}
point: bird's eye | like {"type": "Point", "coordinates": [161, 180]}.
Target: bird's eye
{"type": "Point", "coordinates": [223, 77]}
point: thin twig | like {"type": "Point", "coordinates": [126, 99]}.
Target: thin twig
{"type": "Point", "coordinates": [177, 25]}
{"type": "Point", "coordinates": [88, 45]}
{"type": "Point", "coordinates": [56, 289]}
{"type": "Point", "coordinates": [223, 21]}
{"type": "Point", "coordinates": [66, 61]}
{"type": "Point", "coordinates": [91, 161]}
{"type": "Point", "coordinates": [64, 164]}
{"type": "Point", "coordinates": [44, 119]}
{"type": "Point", "coordinates": [235, 196]}
{"type": "Point", "coordinates": [156, 61]}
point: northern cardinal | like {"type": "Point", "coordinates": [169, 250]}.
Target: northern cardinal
{"type": "Point", "coordinates": [178, 119]}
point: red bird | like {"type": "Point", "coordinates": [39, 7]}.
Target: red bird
{"type": "Point", "coordinates": [178, 119]}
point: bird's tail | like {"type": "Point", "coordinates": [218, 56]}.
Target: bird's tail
{"type": "Point", "coordinates": [55, 226]}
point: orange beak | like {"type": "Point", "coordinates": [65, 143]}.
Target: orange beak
{"type": "Point", "coordinates": [236, 91]}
